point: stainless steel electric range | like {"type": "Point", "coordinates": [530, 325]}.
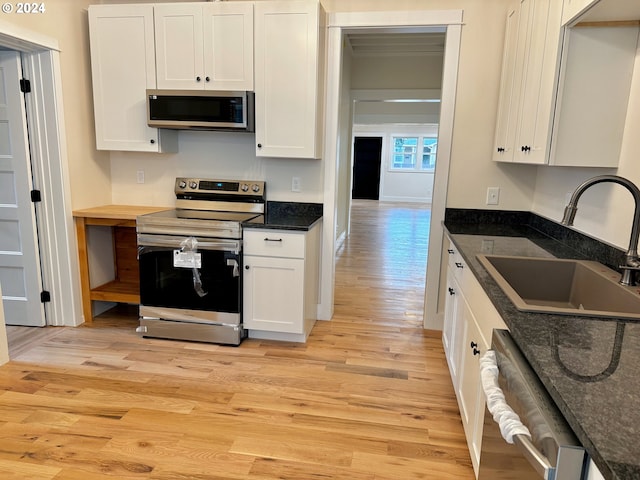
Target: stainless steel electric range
{"type": "Point", "coordinates": [190, 261]}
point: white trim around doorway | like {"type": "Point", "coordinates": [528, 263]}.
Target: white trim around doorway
{"type": "Point", "coordinates": [47, 141]}
{"type": "Point", "coordinates": [401, 21]}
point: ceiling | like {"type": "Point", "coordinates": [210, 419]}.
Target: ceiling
{"type": "Point", "coordinates": [396, 44]}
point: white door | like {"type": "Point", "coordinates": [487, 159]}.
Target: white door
{"type": "Point", "coordinates": [20, 274]}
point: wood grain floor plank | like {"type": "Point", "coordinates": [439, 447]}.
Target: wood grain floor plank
{"type": "Point", "coordinates": [367, 397]}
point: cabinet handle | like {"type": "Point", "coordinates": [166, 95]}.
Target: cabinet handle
{"type": "Point", "coordinates": [197, 79]}
{"type": "Point", "coordinates": [459, 265]}
{"type": "Point", "coordinates": [259, 145]}
{"type": "Point", "coordinates": [152, 141]}
{"type": "Point", "coordinates": [525, 148]}
{"type": "Point", "coordinates": [474, 346]}
{"type": "Point", "coordinates": [476, 351]}
{"type": "Point", "coordinates": [451, 291]}
{"type": "Point", "coordinates": [272, 239]}
{"type": "Point", "coordinates": [246, 267]}
{"type": "Point", "coordinates": [451, 252]}
{"type": "Point", "coordinates": [207, 79]}
{"type": "Point", "coordinates": [500, 149]}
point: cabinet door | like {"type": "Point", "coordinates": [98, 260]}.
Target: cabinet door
{"type": "Point", "coordinates": [539, 82]}
{"type": "Point", "coordinates": [470, 395]}
{"type": "Point", "coordinates": [123, 67]}
{"type": "Point", "coordinates": [273, 291]}
{"type": "Point", "coordinates": [228, 46]}
{"type": "Point", "coordinates": [507, 106]}
{"type": "Point", "coordinates": [179, 46]}
{"type": "Point", "coordinates": [287, 78]}
{"type": "Point", "coordinates": [452, 328]}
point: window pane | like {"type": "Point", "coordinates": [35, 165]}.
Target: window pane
{"type": "Point", "coordinates": [405, 152]}
{"type": "Point", "coordinates": [429, 149]}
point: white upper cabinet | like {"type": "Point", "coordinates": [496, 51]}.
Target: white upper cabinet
{"type": "Point", "coordinates": [506, 125]}
{"type": "Point", "coordinates": [573, 8]}
{"type": "Point", "coordinates": [527, 100]}
{"type": "Point", "coordinates": [204, 46]}
{"type": "Point", "coordinates": [593, 95]}
{"type": "Point", "coordinates": [564, 91]}
{"type": "Point", "coordinates": [289, 60]}
{"type": "Point", "coordinates": [123, 67]}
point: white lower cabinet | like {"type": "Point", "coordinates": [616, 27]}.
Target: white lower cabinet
{"type": "Point", "coordinates": [470, 318]}
{"type": "Point", "coordinates": [280, 285]}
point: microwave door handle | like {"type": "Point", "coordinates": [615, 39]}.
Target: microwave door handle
{"type": "Point", "coordinates": [500, 409]}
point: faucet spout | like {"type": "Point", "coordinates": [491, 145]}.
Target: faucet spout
{"type": "Point", "coordinates": [632, 261]}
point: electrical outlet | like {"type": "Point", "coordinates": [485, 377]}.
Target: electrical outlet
{"type": "Point", "coordinates": [493, 195]}
{"type": "Point", "coordinates": [140, 176]}
{"type": "Point", "coordinates": [295, 184]}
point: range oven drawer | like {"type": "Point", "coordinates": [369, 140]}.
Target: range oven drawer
{"type": "Point", "coordinates": [194, 332]}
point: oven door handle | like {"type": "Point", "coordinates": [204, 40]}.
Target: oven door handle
{"type": "Point", "coordinates": [511, 427]}
{"type": "Point", "coordinates": [175, 242]}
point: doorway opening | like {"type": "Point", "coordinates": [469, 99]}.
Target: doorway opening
{"type": "Point", "coordinates": [339, 122]}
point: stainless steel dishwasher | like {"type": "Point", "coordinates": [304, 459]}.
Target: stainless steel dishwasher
{"type": "Point", "coordinates": [525, 436]}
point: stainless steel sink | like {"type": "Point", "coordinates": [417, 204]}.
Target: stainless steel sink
{"type": "Point", "coordinates": [569, 287]}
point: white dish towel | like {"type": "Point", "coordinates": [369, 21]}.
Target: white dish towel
{"type": "Point", "coordinates": [508, 420]}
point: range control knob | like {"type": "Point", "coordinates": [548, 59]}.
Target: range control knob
{"type": "Point", "coordinates": [255, 187]}
{"type": "Point", "coordinates": [182, 184]}
{"type": "Point", "coordinates": [244, 187]}
{"type": "Point", "coordinates": [193, 184]}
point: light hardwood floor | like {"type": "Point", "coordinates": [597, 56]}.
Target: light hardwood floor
{"type": "Point", "coordinates": [368, 397]}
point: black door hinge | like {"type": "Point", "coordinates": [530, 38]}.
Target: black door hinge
{"type": "Point", "coordinates": [45, 296]}
{"type": "Point", "coordinates": [25, 85]}
{"type": "Point", "coordinates": [36, 196]}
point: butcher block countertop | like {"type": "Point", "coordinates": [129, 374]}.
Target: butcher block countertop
{"type": "Point", "coordinates": [125, 286]}
{"type": "Point", "coordinates": [118, 212]}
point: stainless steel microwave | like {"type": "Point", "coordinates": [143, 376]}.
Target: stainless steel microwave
{"type": "Point", "coordinates": [201, 110]}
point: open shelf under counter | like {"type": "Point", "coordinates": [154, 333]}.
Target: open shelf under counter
{"type": "Point", "coordinates": [125, 287]}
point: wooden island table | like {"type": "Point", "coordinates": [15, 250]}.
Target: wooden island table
{"type": "Point", "coordinates": [125, 287]}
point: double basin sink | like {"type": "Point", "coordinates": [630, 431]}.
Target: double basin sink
{"type": "Point", "coordinates": [566, 287]}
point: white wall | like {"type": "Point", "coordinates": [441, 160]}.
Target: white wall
{"type": "Point", "coordinates": [398, 186]}
{"type": "Point", "coordinates": [210, 155]}
{"type": "Point", "coordinates": [604, 211]}
{"type": "Point", "coordinates": [66, 21]}
{"type": "Point", "coordinates": [344, 171]}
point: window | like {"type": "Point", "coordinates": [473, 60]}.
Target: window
{"type": "Point", "coordinates": [414, 153]}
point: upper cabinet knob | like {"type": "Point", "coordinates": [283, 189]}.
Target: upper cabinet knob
{"type": "Point", "coordinates": [198, 79]}
{"type": "Point", "coordinates": [207, 79]}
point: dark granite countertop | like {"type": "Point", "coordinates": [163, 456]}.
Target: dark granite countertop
{"type": "Point", "coordinates": [289, 216]}
{"type": "Point", "coordinates": [590, 365]}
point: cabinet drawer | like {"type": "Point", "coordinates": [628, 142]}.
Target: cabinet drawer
{"type": "Point", "coordinates": [456, 263]}
{"type": "Point", "coordinates": [274, 243]}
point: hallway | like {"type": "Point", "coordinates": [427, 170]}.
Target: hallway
{"type": "Point", "coordinates": [368, 397]}
{"type": "Point", "coordinates": [381, 267]}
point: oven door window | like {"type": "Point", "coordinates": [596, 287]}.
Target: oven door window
{"type": "Point", "coordinates": [164, 285]}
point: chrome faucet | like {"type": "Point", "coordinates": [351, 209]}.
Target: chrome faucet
{"type": "Point", "coordinates": [632, 261]}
